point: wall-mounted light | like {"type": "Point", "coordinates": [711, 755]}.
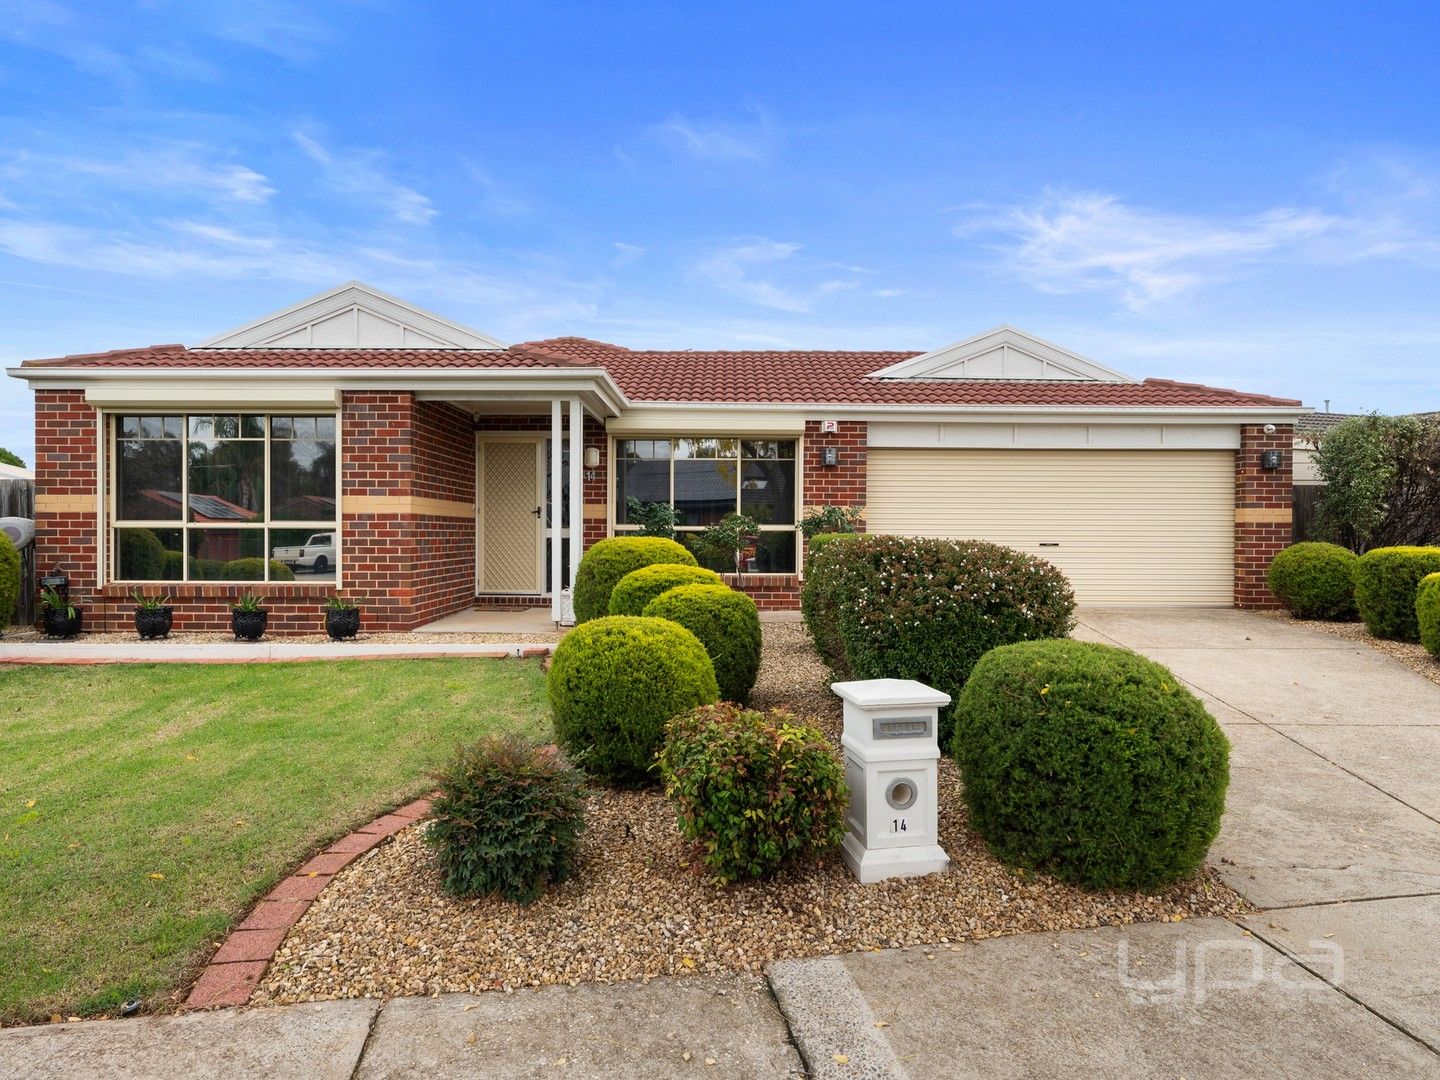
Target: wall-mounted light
{"type": "Point", "coordinates": [592, 457]}
{"type": "Point", "coordinates": [830, 456]}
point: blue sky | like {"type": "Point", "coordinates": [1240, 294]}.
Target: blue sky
{"type": "Point", "coordinates": [1247, 195]}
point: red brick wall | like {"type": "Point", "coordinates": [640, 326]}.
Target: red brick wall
{"type": "Point", "coordinates": [65, 458]}
{"type": "Point", "coordinates": [1262, 512]}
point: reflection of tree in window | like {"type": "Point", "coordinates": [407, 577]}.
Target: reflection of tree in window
{"type": "Point", "coordinates": [302, 468]}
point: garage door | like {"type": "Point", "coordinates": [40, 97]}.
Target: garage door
{"type": "Point", "coordinates": [1127, 527]}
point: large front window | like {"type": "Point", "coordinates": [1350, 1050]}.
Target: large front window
{"type": "Point", "coordinates": [224, 497]}
{"type": "Point", "coordinates": [707, 478]}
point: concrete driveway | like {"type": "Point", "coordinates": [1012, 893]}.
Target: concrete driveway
{"type": "Point", "coordinates": [1333, 820]}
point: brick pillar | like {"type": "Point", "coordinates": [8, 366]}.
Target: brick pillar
{"type": "Point", "coordinates": [66, 489]}
{"type": "Point", "coordinates": [1262, 511]}
{"type": "Point", "coordinates": [836, 485]}
{"type": "Point", "coordinates": [595, 503]}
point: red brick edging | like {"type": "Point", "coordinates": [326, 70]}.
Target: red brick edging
{"type": "Point", "coordinates": [239, 964]}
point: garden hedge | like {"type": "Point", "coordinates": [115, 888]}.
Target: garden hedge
{"type": "Point", "coordinates": [1386, 583]}
{"type": "Point", "coordinates": [1315, 581]}
{"type": "Point", "coordinates": [904, 608]}
{"type": "Point", "coordinates": [607, 561]}
{"type": "Point", "coordinates": [174, 566]}
{"type": "Point", "coordinates": [1091, 763]}
{"type": "Point", "coordinates": [615, 682]}
{"type": "Point", "coordinates": [637, 588]}
{"type": "Point", "coordinates": [1427, 613]}
{"type": "Point", "coordinates": [251, 569]}
{"type": "Point", "coordinates": [9, 581]}
{"type": "Point", "coordinates": [141, 555]}
{"type": "Point", "coordinates": [727, 624]}
{"type": "Point", "coordinates": [754, 789]}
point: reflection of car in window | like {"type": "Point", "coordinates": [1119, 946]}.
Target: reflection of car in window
{"type": "Point", "coordinates": [316, 555]}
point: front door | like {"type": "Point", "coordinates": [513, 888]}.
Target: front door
{"type": "Point", "coordinates": [510, 529]}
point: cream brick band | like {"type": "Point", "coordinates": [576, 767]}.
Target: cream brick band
{"type": "Point", "coordinates": [594, 512]}
{"type": "Point", "coordinates": [1253, 515]}
{"type": "Point", "coordinates": [415, 505]}
{"type": "Point", "coordinates": [64, 504]}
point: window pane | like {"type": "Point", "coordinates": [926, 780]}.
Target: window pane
{"type": "Point", "coordinates": [147, 479]}
{"type": "Point", "coordinates": [228, 554]}
{"type": "Point", "coordinates": [302, 478]}
{"type": "Point", "coordinates": [721, 563]}
{"type": "Point", "coordinates": [227, 481]}
{"type": "Point", "coordinates": [705, 490]}
{"type": "Point", "coordinates": [767, 491]}
{"type": "Point", "coordinates": [775, 553]}
{"type": "Point", "coordinates": [307, 553]}
{"type": "Point", "coordinates": [644, 478]}
{"type": "Point", "coordinates": [148, 554]}
{"type": "Point", "coordinates": [783, 449]}
{"type": "Point", "coordinates": [325, 427]}
{"type": "Point", "coordinates": [564, 487]}
{"type": "Point", "coordinates": [282, 427]}
{"type": "Point", "coordinates": [707, 448]}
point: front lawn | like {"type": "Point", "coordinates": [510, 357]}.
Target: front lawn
{"type": "Point", "coordinates": [144, 808]}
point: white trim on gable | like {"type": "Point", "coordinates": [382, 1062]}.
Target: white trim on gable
{"type": "Point", "coordinates": [1004, 353]}
{"type": "Point", "coordinates": [353, 316]}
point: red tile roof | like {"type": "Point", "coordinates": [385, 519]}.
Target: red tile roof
{"type": "Point", "coordinates": [731, 376]}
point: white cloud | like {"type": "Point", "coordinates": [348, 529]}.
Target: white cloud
{"type": "Point", "coordinates": [360, 175]}
{"type": "Point", "coordinates": [734, 270]}
{"type": "Point", "coordinates": [625, 254]}
{"type": "Point", "coordinates": [185, 168]}
{"type": "Point", "coordinates": [713, 141]}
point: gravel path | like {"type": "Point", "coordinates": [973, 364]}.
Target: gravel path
{"type": "Point", "coordinates": [641, 906]}
{"type": "Point", "coordinates": [1408, 653]}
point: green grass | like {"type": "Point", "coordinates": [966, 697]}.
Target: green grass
{"type": "Point", "coordinates": [219, 777]}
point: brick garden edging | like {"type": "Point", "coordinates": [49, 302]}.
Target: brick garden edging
{"type": "Point", "coordinates": [239, 964]}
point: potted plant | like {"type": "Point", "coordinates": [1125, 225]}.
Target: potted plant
{"type": "Point", "coordinates": [61, 619]}
{"type": "Point", "coordinates": [342, 618]}
{"type": "Point", "coordinates": [153, 616]}
{"type": "Point", "coordinates": [248, 617]}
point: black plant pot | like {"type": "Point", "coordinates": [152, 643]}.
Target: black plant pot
{"type": "Point", "coordinates": [248, 625]}
{"type": "Point", "coordinates": [342, 624]}
{"type": "Point", "coordinates": [58, 624]}
{"type": "Point", "coordinates": [154, 622]}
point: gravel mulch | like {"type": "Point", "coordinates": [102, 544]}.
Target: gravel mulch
{"type": "Point", "coordinates": [1408, 653]}
{"type": "Point", "coordinates": [641, 905]}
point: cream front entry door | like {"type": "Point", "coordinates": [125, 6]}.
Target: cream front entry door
{"type": "Point", "coordinates": [509, 529]}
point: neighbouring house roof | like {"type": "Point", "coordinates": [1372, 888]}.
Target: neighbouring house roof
{"type": "Point", "coordinates": [204, 507]}
{"type": "Point", "coordinates": [1320, 422]}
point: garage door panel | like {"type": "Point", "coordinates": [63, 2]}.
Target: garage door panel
{"type": "Point", "coordinates": [1132, 527]}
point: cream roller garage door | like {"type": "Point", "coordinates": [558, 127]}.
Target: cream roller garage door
{"type": "Point", "coordinates": [1127, 527]}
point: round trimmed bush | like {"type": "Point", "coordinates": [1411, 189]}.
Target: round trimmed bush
{"type": "Point", "coordinates": [210, 568]}
{"type": "Point", "coordinates": [754, 789]}
{"type": "Point", "coordinates": [615, 682]}
{"type": "Point", "coordinates": [1091, 763]}
{"type": "Point", "coordinates": [251, 569]}
{"type": "Point", "coordinates": [727, 624]}
{"type": "Point", "coordinates": [639, 587]}
{"type": "Point", "coordinates": [1427, 613]}
{"type": "Point", "coordinates": [607, 561]}
{"type": "Point", "coordinates": [140, 555]}
{"type": "Point", "coordinates": [174, 566]}
{"type": "Point", "coordinates": [1386, 583]}
{"type": "Point", "coordinates": [507, 820]}
{"type": "Point", "coordinates": [9, 581]}
{"type": "Point", "coordinates": [1315, 581]}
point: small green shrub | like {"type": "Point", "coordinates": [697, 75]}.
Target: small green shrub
{"type": "Point", "coordinates": [507, 821]}
{"type": "Point", "coordinates": [1386, 581]}
{"type": "Point", "coordinates": [832, 520]}
{"type": "Point", "coordinates": [904, 608]}
{"type": "Point", "coordinates": [753, 789]}
{"type": "Point", "coordinates": [141, 555]}
{"type": "Point", "coordinates": [615, 681]}
{"type": "Point", "coordinates": [174, 561]}
{"type": "Point", "coordinates": [607, 561]}
{"type": "Point", "coordinates": [654, 518]}
{"type": "Point", "coordinates": [727, 624]}
{"type": "Point", "coordinates": [1090, 763]}
{"type": "Point", "coordinates": [9, 581]}
{"type": "Point", "coordinates": [639, 587]}
{"type": "Point", "coordinates": [251, 569]}
{"type": "Point", "coordinates": [210, 568]}
{"type": "Point", "coordinates": [1315, 580]}
{"type": "Point", "coordinates": [1427, 613]}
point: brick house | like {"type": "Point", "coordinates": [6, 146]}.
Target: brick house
{"type": "Point", "coordinates": [421, 452]}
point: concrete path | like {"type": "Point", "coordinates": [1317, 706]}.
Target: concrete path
{"type": "Point", "coordinates": [701, 1027]}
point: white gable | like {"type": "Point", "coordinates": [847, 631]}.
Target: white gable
{"type": "Point", "coordinates": [1002, 353]}
{"type": "Point", "coordinates": [353, 316]}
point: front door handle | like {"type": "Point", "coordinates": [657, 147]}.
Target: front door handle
{"type": "Point", "coordinates": [537, 511]}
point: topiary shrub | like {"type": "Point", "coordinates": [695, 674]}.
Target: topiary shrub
{"type": "Point", "coordinates": [210, 568]}
{"type": "Point", "coordinates": [141, 555]}
{"type": "Point", "coordinates": [1386, 581]}
{"type": "Point", "coordinates": [251, 569]}
{"type": "Point", "coordinates": [607, 561]}
{"type": "Point", "coordinates": [753, 789]}
{"type": "Point", "coordinates": [905, 608]}
{"type": "Point", "coordinates": [507, 820]}
{"type": "Point", "coordinates": [1091, 763]}
{"type": "Point", "coordinates": [639, 587]}
{"type": "Point", "coordinates": [1427, 613]}
{"type": "Point", "coordinates": [1315, 581]}
{"type": "Point", "coordinates": [9, 581]}
{"type": "Point", "coordinates": [727, 624]}
{"type": "Point", "coordinates": [614, 682]}
{"type": "Point", "coordinates": [173, 566]}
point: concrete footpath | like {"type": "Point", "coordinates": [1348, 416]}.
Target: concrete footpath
{"type": "Point", "coordinates": [1332, 829]}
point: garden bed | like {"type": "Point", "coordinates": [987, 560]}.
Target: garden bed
{"type": "Point", "coordinates": [640, 905]}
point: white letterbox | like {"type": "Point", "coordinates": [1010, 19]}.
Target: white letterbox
{"type": "Point", "coordinates": [891, 757]}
